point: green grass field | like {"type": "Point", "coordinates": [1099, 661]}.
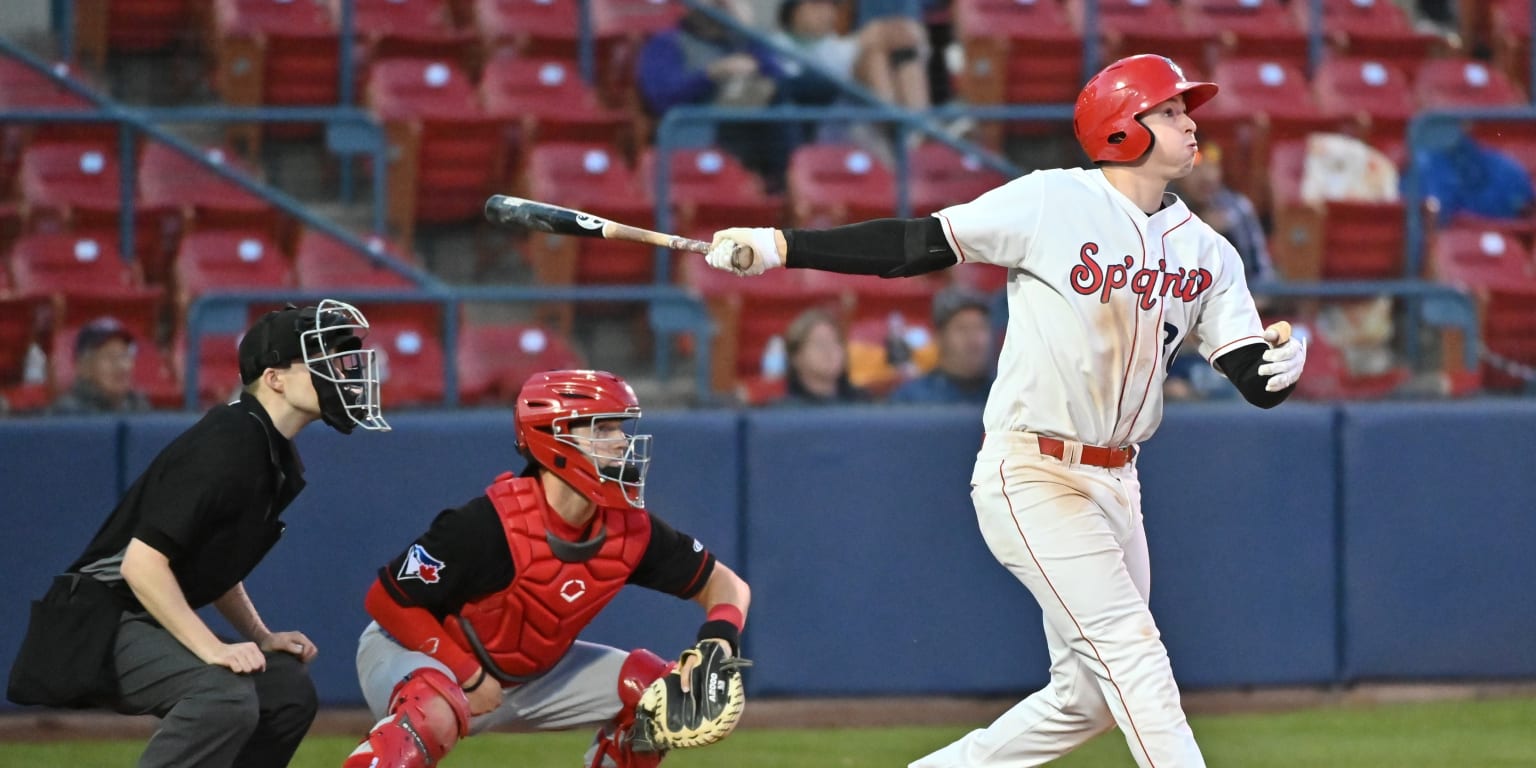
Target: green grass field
{"type": "Point", "coordinates": [1466, 734]}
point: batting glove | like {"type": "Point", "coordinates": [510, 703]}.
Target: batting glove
{"type": "Point", "coordinates": [760, 244]}
{"type": "Point", "coordinates": [1284, 362]}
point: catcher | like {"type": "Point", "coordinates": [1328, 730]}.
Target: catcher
{"type": "Point", "coordinates": [475, 623]}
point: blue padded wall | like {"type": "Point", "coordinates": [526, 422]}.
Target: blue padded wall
{"type": "Point", "coordinates": [869, 575]}
{"type": "Point", "coordinates": [1239, 507]}
{"type": "Point", "coordinates": [58, 482]}
{"type": "Point", "coordinates": [1440, 539]}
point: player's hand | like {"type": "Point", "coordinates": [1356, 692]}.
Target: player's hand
{"type": "Point", "coordinates": [761, 243]}
{"type": "Point", "coordinates": [1282, 363]}
{"type": "Point", "coordinates": [240, 658]}
{"type": "Point", "coordinates": [290, 642]}
{"type": "Point", "coordinates": [485, 698]}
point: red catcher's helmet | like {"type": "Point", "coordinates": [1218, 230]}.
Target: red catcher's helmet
{"type": "Point", "coordinates": [1105, 118]}
{"type": "Point", "coordinates": [609, 470]}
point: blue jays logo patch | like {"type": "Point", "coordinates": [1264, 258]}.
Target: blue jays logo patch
{"type": "Point", "coordinates": [419, 564]}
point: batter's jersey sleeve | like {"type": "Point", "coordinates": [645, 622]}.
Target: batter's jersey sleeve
{"type": "Point", "coordinates": [674, 562]}
{"type": "Point", "coordinates": [1000, 226]}
{"type": "Point", "coordinates": [462, 556]}
{"type": "Point", "coordinates": [1228, 319]}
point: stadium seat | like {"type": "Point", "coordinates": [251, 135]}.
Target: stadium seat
{"type": "Point", "coordinates": [940, 176]}
{"type": "Point", "coordinates": [1459, 82]}
{"type": "Point", "coordinates": [710, 190]}
{"type": "Point", "coordinates": [1250, 28]}
{"type": "Point", "coordinates": [76, 186]}
{"type": "Point", "coordinates": [226, 260]}
{"type": "Point", "coordinates": [24, 322]}
{"type": "Point", "coordinates": [45, 264]}
{"type": "Point", "coordinates": [1328, 376]}
{"type": "Point", "coordinates": [1499, 272]}
{"type": "Point", "coordinates": [408, 28]}
{"type": "Point", "coordinates": [193, 197]}
{"type": "Point", "coordinates": [22, 87]}
{"type": "Point", "coordinates": [866, 297]}
{"type": "Point", "coordinates": [546, 100]}
{"type": "Point", "coordinates": [596, 179]}
{"type": "Point", "coordinates": [831, 184]}
{"type": "Point", "coordinates": [446, 152]}
{"type": "Point", "coordinates": [495, 360]}
{"type": "Point", "coordinates": [131, 26]}
{"type": "Point", "coordinates": [274, 52]}
{"type": "Point", "coordinates": [1262, 101]}
{"type": "Point", "coordinates": [1333, 240]}
{"type": "Point", "coordinates": [140, 311]}
{"type": "Point", "coordinates": [218, 366]}
{"type": "Point", "coordinates": [408, 339]}
{"type": "Point", "coordinates": [322, 261]}
{"type": "Point", "coordinates": [1129, 27]}
{"type": "Point", "coordinates": [1017, 53]}
{"type": "Point", "coordinates": [1376, 29]}
{"type": "Point", "coordinates": [1376, 88]}
{"type": "Point", "coordinates": [749, 312]}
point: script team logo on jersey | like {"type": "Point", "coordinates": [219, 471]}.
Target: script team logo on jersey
{"type": "Point", "coordinates": [419, 564]}
{"type": "Point", "coordinates": [1090, 277]}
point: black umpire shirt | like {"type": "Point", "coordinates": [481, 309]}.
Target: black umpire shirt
{"type": "Point", "coordinates": [209, 502]}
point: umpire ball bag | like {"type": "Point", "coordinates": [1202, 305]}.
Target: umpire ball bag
{"type": "Point", "coordinates": [66, 657]}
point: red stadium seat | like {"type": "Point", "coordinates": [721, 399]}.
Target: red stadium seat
{"type": "Point", "coordinates": [1377, 88]}
{"type": "Point", "coordinates": [1499, 272]}
{"type": "Point", "coordinates": [592, 178]}
{"type": "Point", "coordinates": [711, 190]}
{"type": "Point", "coordinates": [495, 360]}
{"type": "Point", "coordinates": [22, 87]}
{"type": "Point", "coordinates": [274, 52]}
{"type": "Point", "coordinates": [1328, 376]}
{"type": "Point", "coordinates": [60, 263]}
{"type": "Point", "coordinates": [749, 312]}
{"type": "Point", "coordinates": [322, 261]}
{"type": "Point", "coordinates": [1250, 28]}
{"type": "Point", "coordinates": [218, 366]}
{"type": "Point", "coordinates": [1129, 27]}
{"type": "Point", "coordinates": [1510, 38]}
{"type": "Point", "coordinates": [1376, 29]}
{"type": "Point", "coordinates": [24, 322]}
{"type": "Point", "coordinates": [409, 343]}
{"type": "Point", "coordinates": [408, 28]}
{"type": "Point", "coordinates": [942, 176]}
{"type": "Point", "coordinates": [1333, 240]}
{"type": "Point", "coordinates": [1017, 53]}
{"type": "Point", "coordinates": [833, 184]}
{"type": "Point", "coordinates": [56, 178]}
{"type": "Point", "coordinates": [874, 298]}
{"type": "Point", "coordinates": [447, 151]}
{"type": "Point", "coordinates": [193, 197]}
{"type": "Point", "coordinates": [1262, 101]}
{"type": "Point", "coordinates": [545, 99]}
{"type": "Point", "coordinates": [227, 260]}
{"type": "Point", "coordinates": [1461, 82]}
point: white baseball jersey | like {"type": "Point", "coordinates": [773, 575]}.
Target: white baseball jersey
{"type": "Point", "coordinates": [1100, 296]}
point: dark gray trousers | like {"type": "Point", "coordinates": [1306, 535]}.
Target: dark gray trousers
{"type": "Point", "coordinates": [210, 716]}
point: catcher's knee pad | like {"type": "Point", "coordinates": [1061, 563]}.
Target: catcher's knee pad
{"type": "Point", "coordinates": [640, 669]}
{"type": "Point", "coordinates": [412, 735]}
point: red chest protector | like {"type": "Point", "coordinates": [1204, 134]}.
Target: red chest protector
{"type": "Point", "coordinates": [558, 588]}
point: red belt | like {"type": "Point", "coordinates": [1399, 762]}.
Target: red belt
{"type": "Point", "coordinates": [1093, 455]}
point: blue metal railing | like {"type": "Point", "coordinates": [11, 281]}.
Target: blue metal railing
{"type": "Point", "coordinates": [672, 311]}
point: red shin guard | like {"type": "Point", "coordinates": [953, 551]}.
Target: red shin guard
{"type": "Point", "coordinates": [612, 750]}
{"type": "Point", "coordinates": [408, 738]}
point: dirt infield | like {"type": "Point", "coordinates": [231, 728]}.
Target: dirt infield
{"type": "Point", "coordinates": [59, 725]}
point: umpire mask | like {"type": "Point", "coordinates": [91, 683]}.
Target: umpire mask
{"type": "Point", "coordinates": [345, 375]}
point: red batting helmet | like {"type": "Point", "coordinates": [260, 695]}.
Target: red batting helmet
{"type": "Point", "coordinates": [608, 470]}
{"type": "Point", "coordinates": [1106, 116]}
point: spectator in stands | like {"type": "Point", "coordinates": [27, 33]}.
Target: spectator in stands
{"type": "Point", "coordinates": [706, 63]}
{"type": "Point", "coordinates": [887, 55]}
{"type": "Point", "coordinates": [817, 373]}
{"type": "Point", "coordinates": [963, 325]}
{"type": "Point", "coordinates": [104, 355]}
{"type": "Point", "coordinates": [1467, 177]}
{"type": "Point", "coordinates": [1228, 212]}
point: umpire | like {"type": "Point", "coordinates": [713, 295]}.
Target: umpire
{"type": "Point", "coordinates": [186, 534]}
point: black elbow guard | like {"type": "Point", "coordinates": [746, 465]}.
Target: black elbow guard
{"type": "Point", "coordinates": [884, 247]}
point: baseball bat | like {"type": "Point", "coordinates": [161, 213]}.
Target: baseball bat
{"type": "Point", "coordinates": [1281, 328]}
{"type": "Point", "coordinates": [559, 220]}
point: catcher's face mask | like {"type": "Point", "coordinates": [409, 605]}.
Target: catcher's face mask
{"type": "Point", "coordinates": [571, 423]}
{"type": "Point", "coordinates": [615, 456]}
{"type": "Point", "coordinates": [346, 376]}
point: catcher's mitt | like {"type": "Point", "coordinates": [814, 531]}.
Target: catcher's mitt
{"type": "Point", "coordinates": [667, 717]}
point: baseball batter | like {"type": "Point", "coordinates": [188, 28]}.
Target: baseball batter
{"type": "Point", "coordinates": [475, 623]}
{"type": "Point", "coordinates": [1108, 273]}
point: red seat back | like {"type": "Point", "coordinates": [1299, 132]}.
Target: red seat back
{"type": "Point", "coordinates": [69, 263]}
{"type": "Point", "coordinates": [409, 343]}
{"type": "Point", "coordinates": [1462, 82]}
{"type": "Point", "coordinates": [228, 260]}
{"type": "Point", "coordinates": [710, 190]}
{"type": "Point", "coordinates": [1378, 88]}
{"type": "Point", "coordinates": [942, 176]}
{"type": "Point", "coordinates": [495, 360]}
{"type": "Point", "coordinates": [838, 183]}
{"type": "Point", "coordinates": [322, 261]}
